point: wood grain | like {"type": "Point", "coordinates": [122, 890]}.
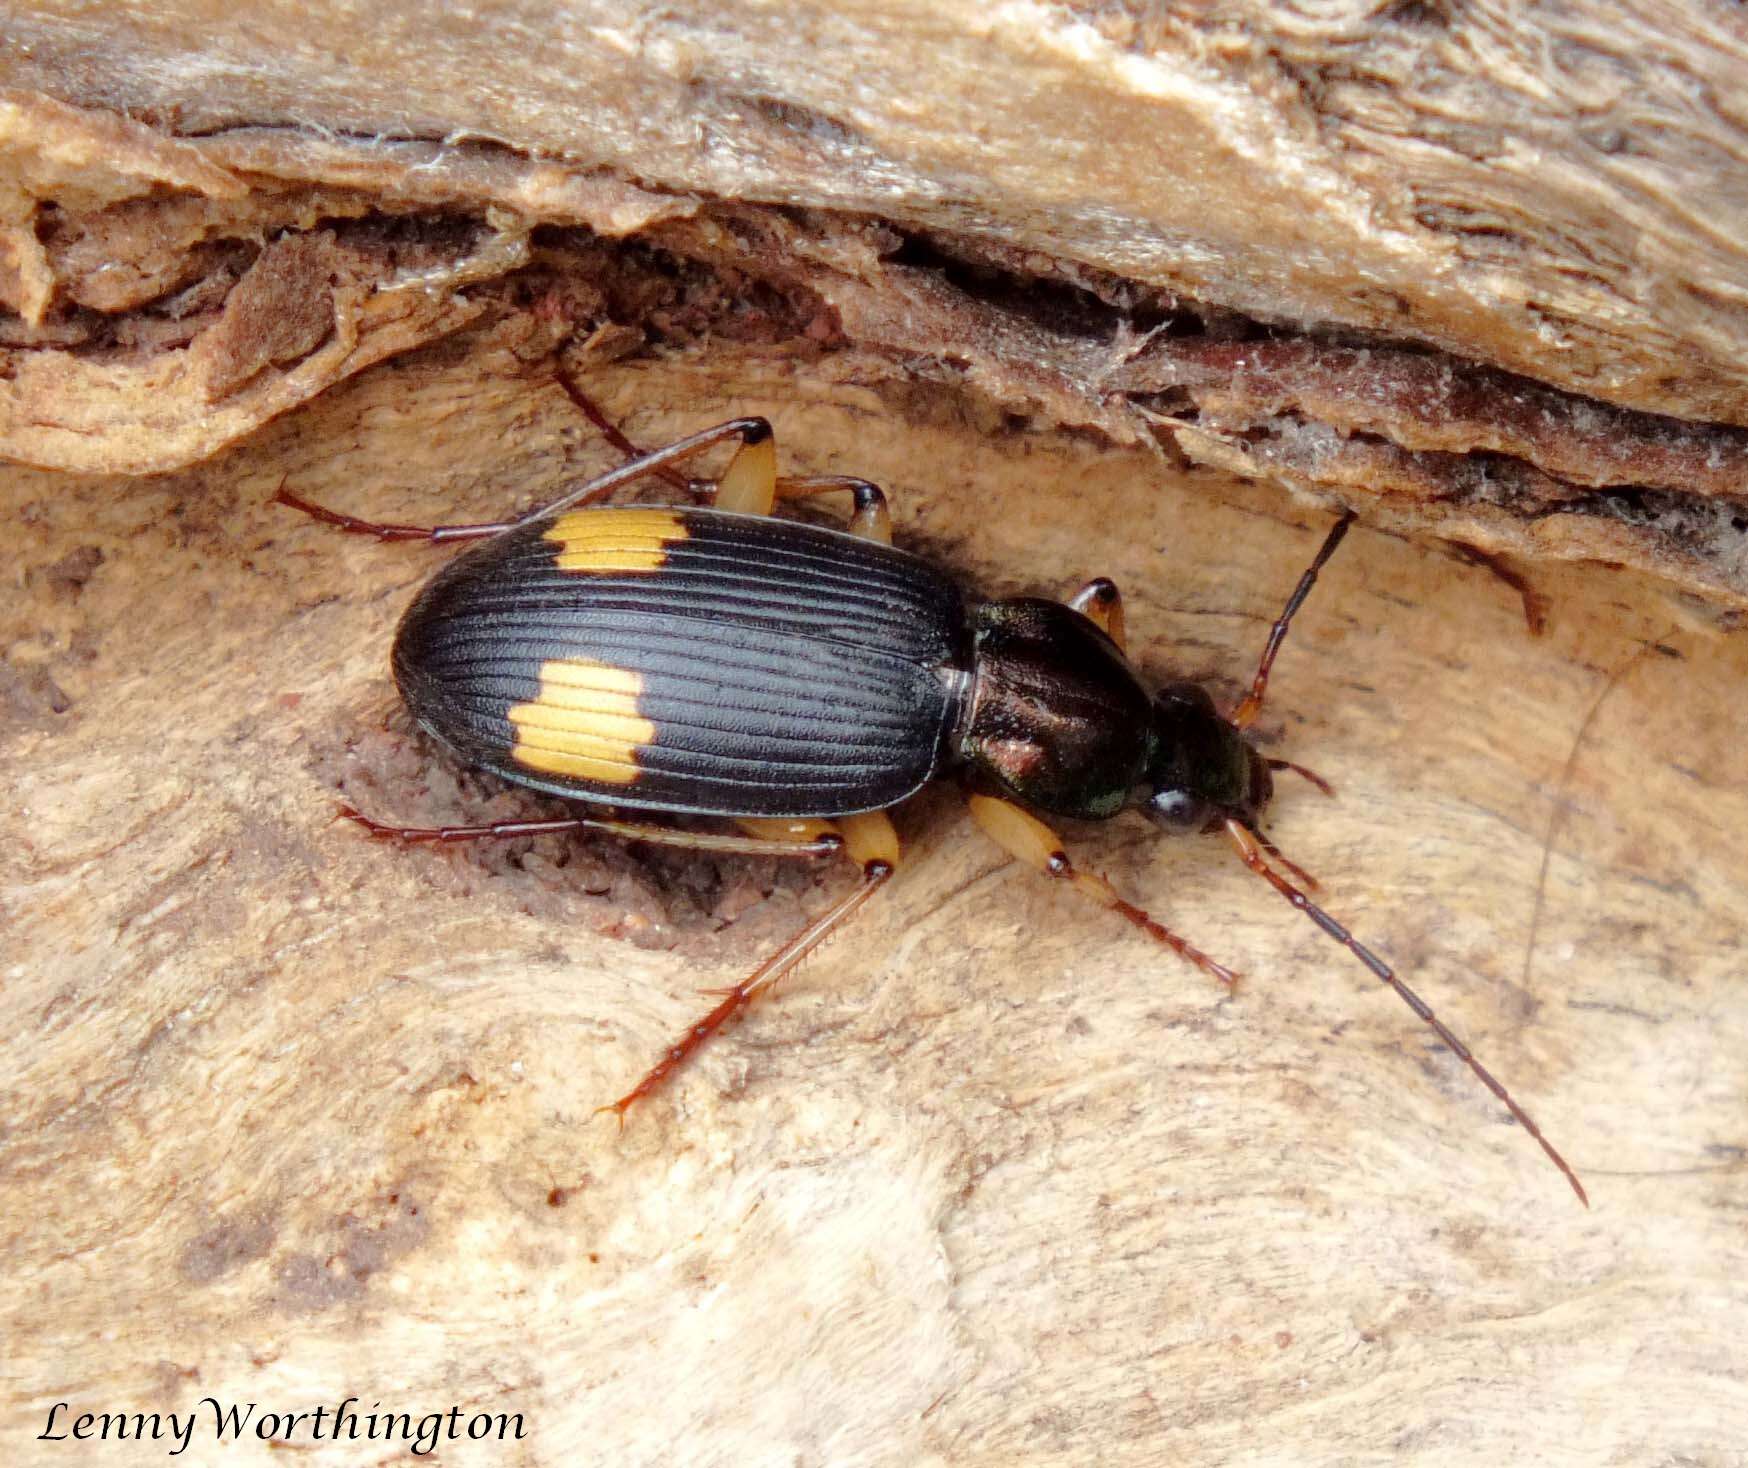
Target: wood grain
{"type": "Point", "coordinates": [290, 1117]}
{"type": "Point", "coordinates": [1552, 186]}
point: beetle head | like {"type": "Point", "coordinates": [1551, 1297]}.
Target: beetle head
{"type": "Point", "coordinates": [1203, 770]}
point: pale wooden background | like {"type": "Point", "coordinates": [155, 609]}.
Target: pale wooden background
{"type": "Point", "coordinates": [288, 1117]}
{"type": "Point", "coordinates": [285, 1113]}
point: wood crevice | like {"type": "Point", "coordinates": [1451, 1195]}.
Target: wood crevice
{"type": "Point", "coordinates": [180, 321]}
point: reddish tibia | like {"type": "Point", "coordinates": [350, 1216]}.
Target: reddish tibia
{"type": "Point", "coordinates": [609, 430]}
{"type": "Point", "coordinates": [352, 525]}
{"type": "Point", "coordinates": [1023, 835]}
{"type": "Point", "coordinates": [828, 844]}
{"type": "Point", "coordinates": [1286, 861]}
{"type": "Point", "coordinates": [1153, 928]}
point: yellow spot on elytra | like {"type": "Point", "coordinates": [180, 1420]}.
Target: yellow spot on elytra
{"type": "Point", "coordinates": [583, 723]}
{"type": "Point", "coordinates": [606, 541]}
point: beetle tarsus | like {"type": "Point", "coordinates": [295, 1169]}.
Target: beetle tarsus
{"type": "Point", "coordinates": [737, 997]}
{"type": "Point", "coordinates": [762, 979]}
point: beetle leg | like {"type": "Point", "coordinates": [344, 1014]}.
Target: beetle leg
{"type": "Point", "coordinates": [1282, 859]}
{"type": "Point", "coordinates": [869, 520]}
{"type": "Point", "coordinates": [1251, 704]}
{"type": "Point", "coordinates": [1309, 775]}
{"type": "Point", "coordinates": [783, 829]}
{"type": "Point", "coordinates": [1023, 835]}
{"type": "Point", "coordinates": [870, 840]}
{"type": "Point", "coordinates": [749, 485]}
{"type": "Point", "coordinates": [1101, 603]}
{"type": "Point", "coordinates": [867, 838]}
{"type": "Point", "coordinates": [870, 517]}
{"type": "Point", "coordinates": [382, 530]}
{"type": "Point", "coordinates": [822, 843]}
{"type": "Point", "coordinates": [607, 428]}
{"type": "Point", "coordinates": [752, 432]}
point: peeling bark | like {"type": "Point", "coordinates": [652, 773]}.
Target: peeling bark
{"type": "Point", "coordinates": [124, 342]}
{"type": "Point", "coordinates": [286, 1115]}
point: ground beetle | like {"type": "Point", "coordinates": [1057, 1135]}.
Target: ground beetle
{"type": "Point", "coordinates": [800, 681]}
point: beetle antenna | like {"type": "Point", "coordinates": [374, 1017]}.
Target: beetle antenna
{"type": "Point", "coordinates": [1251, 704]}
{"type": "Point", "coordinates": [1251, 853]}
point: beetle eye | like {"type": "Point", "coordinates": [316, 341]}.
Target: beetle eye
{"type": "Point", "coordinates": [1176, 810]}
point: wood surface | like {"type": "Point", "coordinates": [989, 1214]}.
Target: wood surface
{"type": "Point", "coordinates": [288, 1117]}
{"type": "Point", "coordinates": [291, 1117]}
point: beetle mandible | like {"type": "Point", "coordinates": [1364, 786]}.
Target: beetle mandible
{"type": "Point", "coordinates": [800, 681]}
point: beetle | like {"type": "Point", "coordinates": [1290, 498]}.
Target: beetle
{"type": "Point", "coordinates": [799, 681]}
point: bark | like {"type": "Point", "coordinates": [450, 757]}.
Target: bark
{"type": "Point", "coordinates": [290, 1116]}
